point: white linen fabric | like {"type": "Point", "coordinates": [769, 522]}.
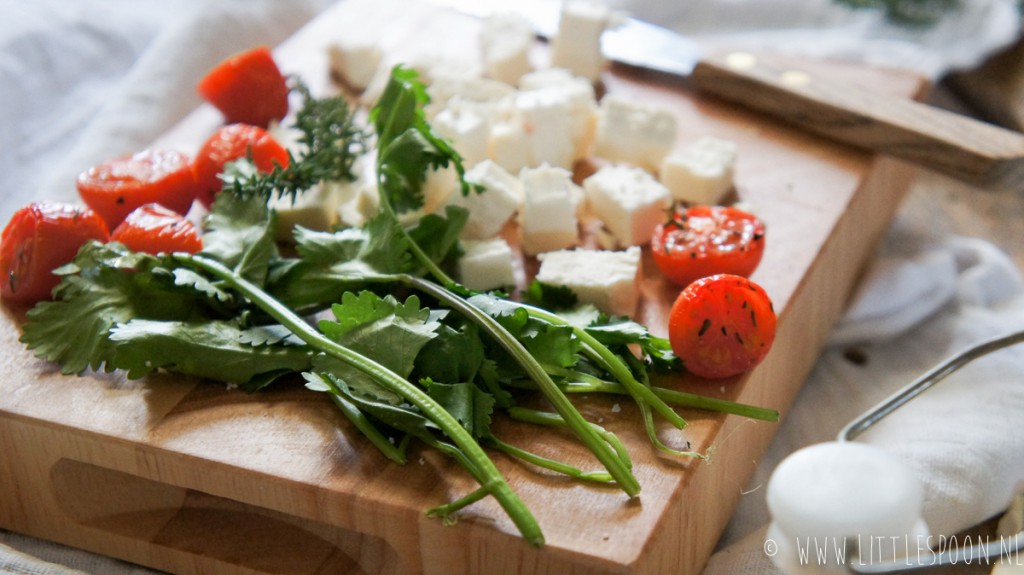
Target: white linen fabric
{"type": "Point", "coordinates": [927, 296]}
{"type": "Point", "coordinates": [81, 82]}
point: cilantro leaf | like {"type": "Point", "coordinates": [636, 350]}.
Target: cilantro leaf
{"type": "Point", "coordinates": [469, 404]}
{"type": "Point", "coordinates": [105, 285]}
{"type": "Point", "coordinates": [390, 332]}
{"type": "Point", "coordinates": [510, 315]}
{"type": "Point", "coordinates": [240, 234]}
{"type": "Point", "coordinates": [552, 345]}
{"type": "Point", "coordinates": [379, 248]}
{"type": "Point", "coordinates": [395, 414]}
{"type": "Point", "coordinates": [217, 350]}
{"type": "Point", "coordinates": [624, 331]}
{"type": "Point", "coordinates": [408, 148]}
{"type": "Point", "coordinates": [438, 236]}
{"type": "Point", "coordinates": [550, 296]}
{"type": "Point", "coordinates": [456, 354]}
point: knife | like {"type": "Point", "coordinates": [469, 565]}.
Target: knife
{"type": "Point", "coordinates": [970, 150]}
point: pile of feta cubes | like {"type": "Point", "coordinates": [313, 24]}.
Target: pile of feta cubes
{"type": "Point", "coordinates": [521, 130]}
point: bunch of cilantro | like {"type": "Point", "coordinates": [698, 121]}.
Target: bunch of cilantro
{"type": "Point", "coordinates": [365, 315]}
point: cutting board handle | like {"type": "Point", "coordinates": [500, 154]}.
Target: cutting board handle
{"type": "Point", "coordinates": [973, 151]}
{"type": "Point", "coordinates": [209, 534]}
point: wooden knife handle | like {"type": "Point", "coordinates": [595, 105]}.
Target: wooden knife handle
{"type": "Point", "coordinates": [967, 149]}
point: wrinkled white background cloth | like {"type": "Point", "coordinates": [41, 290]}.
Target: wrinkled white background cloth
{"type": "Point", "coordinates": [81, 82]}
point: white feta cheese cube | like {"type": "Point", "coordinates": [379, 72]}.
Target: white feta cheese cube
{"type": "Point", "coordinates": [358, 200]}
{"type": "Point", "coordinates": [486, 265]}
{"type": "Point", "coordinates": [505, 40]}
{"type": "Point", "coordinates": [444, 77]}
{"type": "Point", "coordinates": [582, 103]}
{"type": "Point", "coordinates": [354, 61]}
{"type": "Point", "coordinates": [287, 136]}
{"type": "Point", "coordinates": [508, 145]}
{"type": "Point", "coordinates": [547, 218]}
{"type": "Point", "coordinates": [577, 45]}
{"type": "Point", "coordinates": [635, 133]}
{"type": "Point", "coordinates": [628, 201]}
{"type": "Point", "coordinates": [439, 185]}
{"type": "Point", "coordinates": [468, 130]}
{"type": "Point", "coordinates": [702, 173]}
{"type": "Point", "coordinates": [491, 209]}
{"type": "Point", "coordinates": [315, 209]}
{"type": "Point", "coordinates": [604, 279]}
{"type": "Point", "coordinates": [546, 117]}
{"type": "Point", "coordinates": [446, 85]}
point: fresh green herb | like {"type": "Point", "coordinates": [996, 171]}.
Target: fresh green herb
{"type": "Point", "coordinates": [433, 366]}
{"type": "Point", "coordinates": [331, 141]}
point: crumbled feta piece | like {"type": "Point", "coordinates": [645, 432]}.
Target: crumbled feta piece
{"type": "Point", "coordinates": [628, 200]}
{"type": "Point", "coordinates": [467, 128]}
{"type": "Point", "coordinates": [491, 209]}
{"type": "Point", "coordinates": [632, 132]}
{"type": "Point", "coordinates": [315, 209]}
{"type": "Point", "coordinates": [702, 173]}
{"type": "Point", "coordinates": [444, 78]}
{"type": "Point", "coordinates": [358, 199]}
{"type": "Point", "coordinates": [439, 185]}
{"type": "Point", "coordinates": [486, 265]}
{"type": "Point", "coordinates": [582, 103]}
{"type": "Point", "coordinates": [508, 145]}
{"type": "Point", "coordinates": [355, 62]}
{"type": "Point", "coordinates": [446, 85]}
{"type": "Point", "coordinates": [546, 117]}
{"type": "Point", "coordinates": [505, 41]}
{"type": "Point", "coordinates": [547, 218]}
{"type": "Point", "coordinates": [287, 136]}
{"type": "Point", "coordinates": [604, 279]}
{"type": "Point", "coordinates": [577, 45]}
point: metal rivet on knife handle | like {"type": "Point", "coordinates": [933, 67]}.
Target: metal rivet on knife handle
{"type": "Point", "coordinates": [967, 149]}
{"type": "Point", "coordinates": [741, 60]}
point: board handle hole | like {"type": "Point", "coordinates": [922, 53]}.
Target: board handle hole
{"type": "Point", "coordinates": [216, 528]}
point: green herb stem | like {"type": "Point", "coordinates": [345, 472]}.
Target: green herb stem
{"type": "Point", "coordinates": [359, 419]}
{"type": "Point", "coordinates": [680, 399]}
{"type": "Point", "coordinates": [537, 417]}
{"type": "Point", "coordinates": [385, 204]}
{"type": "Point", "coordinates": [548, 463]}
{"type": "Point", "coordinates": [448, 509]}
{"type": "Point", "coordinates": [599, 352]}
{"type": "Point", "coordinates": [489, 476]}
{"type": "Point", "coordinates": [613, 460]}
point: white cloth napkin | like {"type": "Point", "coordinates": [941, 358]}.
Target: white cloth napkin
{"type": "Point", "coordinates": [82, 81]}
{"type": "Point", "coordinates": [926, 297]}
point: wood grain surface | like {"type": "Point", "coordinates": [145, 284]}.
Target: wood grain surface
{"type": "Point", "coordinates": [977, 152]}
{"type": "Point", "coordinates": [190, 477]}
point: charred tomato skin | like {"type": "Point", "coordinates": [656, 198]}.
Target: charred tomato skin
{"type": "Point", "coordinates": [39, 238]}
{"type": "Point", "coordinates": [154, 229]}
{"type": "Point", "coordinates": [701, 241]}
{"type": "Point", "coordinates": [722, 326]}
{"type": "Point", "coordinates": [116, 187]}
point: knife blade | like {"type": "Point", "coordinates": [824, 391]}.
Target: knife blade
{"type": "Point", "coordinates": [970, 150]}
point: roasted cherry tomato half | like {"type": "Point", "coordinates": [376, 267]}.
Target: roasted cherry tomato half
{"type": "Point", "coordinates": [247, 88]}
{"type": "Point", "coordinates": [40, 238]}
{"type": "Point", "coordinates": [701, 241]}
{"type": "Point", "coordinates": [116, 187]}
{"type": "Point", "coordinates": [229, 143]}
{"type": "Point", "coordinates": [154, 229]}
{"type": "Point", "coordinates": [721, 326]}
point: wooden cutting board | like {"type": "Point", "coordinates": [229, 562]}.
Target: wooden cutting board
{"type": "Point", "coordinates": [190, 477]}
